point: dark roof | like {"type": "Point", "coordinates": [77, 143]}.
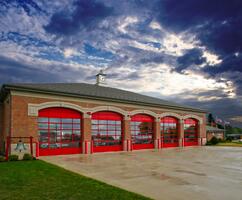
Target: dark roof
{"type": "Point", "coordinates": [91, 91]}
{"type": "Point", "coordinates": [214, 129]}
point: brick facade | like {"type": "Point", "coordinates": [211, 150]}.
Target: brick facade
{"type": "Point", "coordinates": [218, 135]}
{"type": "Point", "coordinates": [21, 123]}
{"type": "Point", "coordinates": [5, 122]}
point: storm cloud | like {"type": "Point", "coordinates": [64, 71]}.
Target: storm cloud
{"type": "Point", "coordinates": [188, 51]}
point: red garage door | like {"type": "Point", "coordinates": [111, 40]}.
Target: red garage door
{"type": "Point", "coordinates": [59, 131]}
{"type": "Point", "coordinates": [169, 132]}
{"type": "Point", "coordinates": [190, 132]}
{"type": "Point", "coordinates": [106, 131]}
{"type": "Point", "coordinates": [142, 131]}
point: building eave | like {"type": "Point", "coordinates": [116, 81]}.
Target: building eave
{"type": "Point", "coordinates": [7, 87]}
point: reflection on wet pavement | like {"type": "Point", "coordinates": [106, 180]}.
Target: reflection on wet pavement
{"type": "Point", "coordinates": [174, 174]}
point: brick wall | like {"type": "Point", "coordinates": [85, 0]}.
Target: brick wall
{"type": "Point", "coordinates": [218, 135]}
{"type": "Point", "coordinates": [5, 122]}
{"type": "Point", "coordinates": [24, 125]}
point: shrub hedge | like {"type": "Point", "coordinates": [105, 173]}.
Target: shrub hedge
{"type": "Point", "coordinates": [13, 157]}
{"type": "Point", "coordinates": [27, 156]}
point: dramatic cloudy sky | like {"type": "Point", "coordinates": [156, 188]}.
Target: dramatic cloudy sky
{"type": "Point", "coordinates": [182, 50]}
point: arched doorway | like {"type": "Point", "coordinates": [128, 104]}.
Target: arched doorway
{"type": "Point", "coordinates": [59, 131]}
{"type": "Point", "coordinates": [106, 131]}
{"type": "Point", "coordinates": [169, 132]}
{"type": "Point", "coordinates": [141, 127]}
{"type": "Point", "coordinates": [190, 132]}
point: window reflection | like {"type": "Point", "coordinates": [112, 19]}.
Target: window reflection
{"type": "Point", "coordinates": [169, 130]}
{"type": "Point", "coordinates": [54, 120]}
{"type": "Point", "coordinates": [106, 132]}
{"type": "Point", "coordinates": [59, 132]}
{"type": "Point", "coordinates": [42, 119]}
{"type": "Point", "coordinates": [190, 130]}
{"type": "Point", "coordinates": [142, 132]}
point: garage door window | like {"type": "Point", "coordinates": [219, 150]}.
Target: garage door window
{"type": "Point", "coordinates": [59, 128]}
{"type": "Point", "coordinates": [169, 131]}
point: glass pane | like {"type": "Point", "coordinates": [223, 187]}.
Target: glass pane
{"type": "Point", "coordinates": [94, 126]}
{"type": "Point", "coordinates": [77, 132]}
{"type": "Point", "coordinates": [54, 120]}
{"type": "Point", "coordinates": [103, 121]}
{"type": "Point", "coordinates": [44, 145]}
{"type": "Point", "coordinates": [66, 136]}
{"type": "Point", "coordinates": [70, 145]}
{"type": "Point", "coordinates": [66, 120]}
{"type": "Point", "coordinates": [94, 121]}
{"type": "Point", "coordinates": [102, 127]}
{"type": "Point", "coordinates": [94, 132]}
{"type": "Point", "coordinates": [76, 120]}
{"type": "Point", "coordinates": [75, 144]}
{"type": "Point", "coordinates": [43, 133]}
{"type": "Point", "coordinates": [43, 136]}
{"type": "Point", "coordinates": [111, 132]}
{"type": "Point", "coordinates": [118, 132]}
{"type": "Point", "coordinates": [103, 132]}
{"type": "Point", "coordinates": [111, 122]}
{"type": "Point", "coordinates": [55, 145]}
{"type": "Point", "coordinates": [66, 126]}
{"type": "Point", "coordinates": [111, 127]}
{"type": "Point", "coordinates": [76, 137]}
{"type": "Point", "coordinates": [55, 136]}
{"type": "Point", "coordinates": [42, 119]}
{"type": "Point", "coordinates": [76, 126]}
{"type": "Point", "coordinates": [55, 126]}
{"type": "Point", "coordinates": [117, 137]}
{"type": "Point", "coordinates": [43, 126]}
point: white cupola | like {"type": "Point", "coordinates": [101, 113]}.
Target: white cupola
{"type": "Point", "coordinates": [101, 78]}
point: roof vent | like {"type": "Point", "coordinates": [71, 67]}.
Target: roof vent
{"type": "Point", "coordinates": [101, 79]}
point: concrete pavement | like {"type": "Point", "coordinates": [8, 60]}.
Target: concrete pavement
{"type": "Point", "coordinates": [170, 174]}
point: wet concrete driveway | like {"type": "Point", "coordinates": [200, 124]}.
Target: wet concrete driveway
{"type": "Point", "coordinates": [170, 174]}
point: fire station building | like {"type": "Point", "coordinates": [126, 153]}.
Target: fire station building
{"type": "Point", "coordinates": [74, 118]}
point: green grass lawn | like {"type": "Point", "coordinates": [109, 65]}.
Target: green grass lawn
{"type": "Point", "coordinates": [230, 144]}
{"type": "Point", "coordinates": [40, 180]}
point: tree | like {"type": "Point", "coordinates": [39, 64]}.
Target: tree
{"type": "Point", "coordinates": [210, 119]}
{"type": "Point", "coordinates": [220, 126]}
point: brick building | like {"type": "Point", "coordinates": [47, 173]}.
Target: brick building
{"type": "Point", "coordinates": [215, 132]}
{"type": "Point", "coordinates": [68, 118]}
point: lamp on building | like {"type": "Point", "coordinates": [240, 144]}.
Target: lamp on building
{"type": "Point", "coordinates": [20, 146]}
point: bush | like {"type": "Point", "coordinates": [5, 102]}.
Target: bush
{"type": "Point", "coordinates": [13, 158]}
{"type": "Point", "coordinates": [214, 141]}
{"type": "Point", "coordinates": [222, 141]}
{"type": "Point", "coordinates": [2, 159]}
{"type": "Point", "coordinates": [27, 156]}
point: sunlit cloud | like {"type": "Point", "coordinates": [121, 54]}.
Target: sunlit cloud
{"type": "Point", "coordinates": [124, 23]}
{"type": "Point", "coordinates": [180, 57]}
{"type": "Point", "coordinates": [176, 44]}
{"type": "Point", "coordinates": [155, 25]}
{"type": "Point", "coordinates": [69, 52]}
{"type": "Point", "coordinates": [212, 59]}
{"type": "Point", "coordinates": [237, 119]}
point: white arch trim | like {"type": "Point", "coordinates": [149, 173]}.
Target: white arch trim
{"type": "Point", "coordinates": [170, 114]}
{"type": "Point", "coordinates": [193, 116]}
{"type": "Point", "coordinates": [108, 108]}
{"type": "Point", "coordinates": [33, 109]}
{"type": "Point", "coordinates": [148, 112]}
